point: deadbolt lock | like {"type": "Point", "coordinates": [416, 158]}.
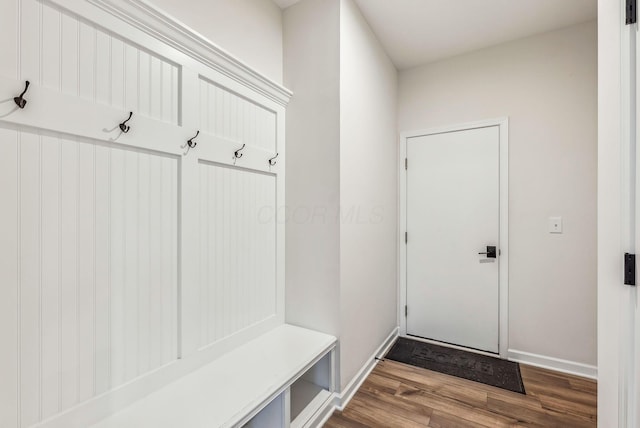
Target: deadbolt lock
{"type": "Point", "coordinates": [491, 252]}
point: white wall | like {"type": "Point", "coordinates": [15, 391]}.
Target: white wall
{"type": "Point", "coordinates": [341, 179]}
{"type": "Point", "coordinates": [312, 72]}
{"type": "Point", "coordinates": [546, 84]}
{"type": "Point", "coordinates": [368, 192]}
{"type": "Point", "coordinates": [250, 30]}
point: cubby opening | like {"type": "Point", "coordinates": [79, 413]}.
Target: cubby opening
{"type": "Point", "coordinates": [311, 391]}
{"type": "Point", "coordinates": [273, 415]}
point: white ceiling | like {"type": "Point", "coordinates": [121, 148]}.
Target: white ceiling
{"type": "Point", "coordinates": [285, 3]}
{"type": "Point", "coordinates": [415, 32]}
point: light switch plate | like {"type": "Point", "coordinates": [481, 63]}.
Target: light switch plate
{"type": "Point", "coordinates": [555, 224]}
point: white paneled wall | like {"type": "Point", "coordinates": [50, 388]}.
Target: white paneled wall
{"type": "Point", "coordinates": [95, 272]}
{"type": "Point", "coordinates": [238, 264]}
{"type": "Point", "coordinates": [126, 260]}
{"type": "Point", "coordinates": [230, 116]}
{"type": "Point", "coordinates": [77, 57]}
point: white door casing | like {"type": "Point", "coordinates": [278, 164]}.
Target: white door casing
{"type": "Point", "coordinates": [618, 208]}
{"type": "Point", "coordinates": [622, 346]}
{"type": "Point", "coordinates": [631, 229]}
{"type": "Point", "coordinates": [634, 394]}
{"type": "Point", "coordinates": [500, 270]}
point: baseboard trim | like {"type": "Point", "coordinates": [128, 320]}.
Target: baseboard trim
{"type": "Point", "coordinates": [352, 387]}
{"type": "Point", "coordinates": [323, 414]}
{"type": "Point", "coordinates": [340, 400]}
{"type": "Point", "coordinates": [551, 363]}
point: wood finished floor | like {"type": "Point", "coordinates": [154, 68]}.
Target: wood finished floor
{"type": "Point", "coordinates": [399, 395]}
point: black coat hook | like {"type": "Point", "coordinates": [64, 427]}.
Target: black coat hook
{"type": "Point", "coordinates": [192, 143]}
{"type": "Point", "coordinates": [272, 161]}
{"type": "Point", "coordinates": [21, 102]}
{"type": "Point", "coordinates": [123, 126]}
{"type": "Point", "coordinates": [237, 154]}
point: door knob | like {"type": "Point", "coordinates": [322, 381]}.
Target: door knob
{"type": "Point", "coordinates": [491, 252]}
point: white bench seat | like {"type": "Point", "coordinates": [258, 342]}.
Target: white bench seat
{"type": "Point", "coordinates": [229, 390]}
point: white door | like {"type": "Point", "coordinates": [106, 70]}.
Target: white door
{"type": "Point", "coordinates": [453, 195]}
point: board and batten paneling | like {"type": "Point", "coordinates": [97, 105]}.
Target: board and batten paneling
{"type": "Point", "coordinates": [237, 249]}
{"type": "Point", "coordinates": [64, 52]}
{"type": "Point", "coordinates": [89, 253]}
{"type": "Point", "coordinates": [232, 117]}
{"type": "Point", "coordinates": [126, 260]}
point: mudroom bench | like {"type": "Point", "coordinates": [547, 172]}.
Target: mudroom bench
{"type": "Point", "coordinates": [280, 379]}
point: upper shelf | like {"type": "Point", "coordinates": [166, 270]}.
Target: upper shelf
{"type": "Point", "coordinates": [158, 24]}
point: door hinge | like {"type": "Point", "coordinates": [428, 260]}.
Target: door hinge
{"type": "Point", "coordinates": [406, 237]}
{"type": "Point", "coordinates": [631, 12]}
{"type": "Point", "coordinates": [629, 269]}
{"type": "Point", "coordinates": [406, 310]}
{"type": "Point", "coordinates": [406, 163]}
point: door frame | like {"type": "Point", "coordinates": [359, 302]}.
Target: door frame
{"type": "Point", "coordinates": [503, 276]}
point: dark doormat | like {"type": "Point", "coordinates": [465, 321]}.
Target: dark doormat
{"type": "Point", "coordinates": [468, 365]}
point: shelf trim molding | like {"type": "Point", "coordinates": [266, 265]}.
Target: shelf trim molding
{"type": "Point", "coordinates": [159, 24]}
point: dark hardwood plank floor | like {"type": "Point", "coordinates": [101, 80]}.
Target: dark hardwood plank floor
{"type": "Point", "coordinates": [399, 395]}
